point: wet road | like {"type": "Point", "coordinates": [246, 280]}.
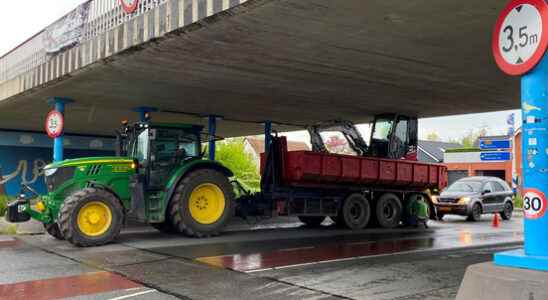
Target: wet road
{"type": "Point", "coordinates": [280, 260]}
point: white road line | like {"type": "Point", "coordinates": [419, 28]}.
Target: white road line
{"type": "Point", "coordinates": [133, 295]}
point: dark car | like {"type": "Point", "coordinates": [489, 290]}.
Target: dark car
{"type": "Point", "coordinates": [474, 196]}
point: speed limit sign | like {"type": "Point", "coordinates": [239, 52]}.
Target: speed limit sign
{"type": "Point", "coordinates": [520, 37]}
{"type": "Point", "coordinates": [55, 123]}
{"type": "Point", "coordinates": [534, 203]}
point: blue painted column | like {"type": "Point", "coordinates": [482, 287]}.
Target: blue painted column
{"type": "Point", "coordinates": [143, 110]}
{"type": "Point", "coordinates": [212, 127]}
{"type": "Point", "coordinates": [58, 142]}
{"type": "Point", "coordinates": [267, 135]}
{"type": "Point", "coordinates": [534, 103]}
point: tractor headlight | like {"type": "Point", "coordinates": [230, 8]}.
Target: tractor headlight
{"type": "Point", "coordinates": [50, 172]}
{"type": "Point", "coordinates": [464, 200]}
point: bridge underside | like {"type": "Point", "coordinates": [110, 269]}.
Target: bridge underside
{"type": "Point", "coordinates": [295, 62]}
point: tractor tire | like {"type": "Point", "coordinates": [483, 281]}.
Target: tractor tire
{"type": "Point", "coordinates": [388, 211]}
{"type": "Point", "coordinates": [355, 212]}
{"type": "Point", "coordinates": [91, 217]}
{"type": "Point", "coordinates": [164, 227]}
{"type": "Point", "coordinates": [203, 204]}
{"type": "Point", "coordinates": [54, 230]}
{"type": "Point", "coordinates": [312, 221]}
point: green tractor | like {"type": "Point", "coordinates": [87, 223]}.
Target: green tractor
{"type": "Point", "coordinates": [159, 177]}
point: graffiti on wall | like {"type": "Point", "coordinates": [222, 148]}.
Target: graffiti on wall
{"type": "Point", "coordinates": [22, 171]}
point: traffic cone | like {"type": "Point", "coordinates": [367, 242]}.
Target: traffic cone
{"type": "Point", "coordinates": [496, 222]}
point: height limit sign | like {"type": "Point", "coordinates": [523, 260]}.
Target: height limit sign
{"type": "Point", "coordinates": [520, 37]}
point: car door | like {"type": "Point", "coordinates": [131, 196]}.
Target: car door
{"type": "Point", "coordinates": [489, 197]}
{"type": "Point", "coordinates": [501, 195]}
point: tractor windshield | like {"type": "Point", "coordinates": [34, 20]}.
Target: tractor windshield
{"type": "Point", "coordinates": [382, 129]}
{"type": "Point", "coordinates": [141, 146]}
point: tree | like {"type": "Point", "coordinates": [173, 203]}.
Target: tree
{"type": "Point", "coordinates": [433, 136]}
{"type": "Point", "coordinates": [232, 155]}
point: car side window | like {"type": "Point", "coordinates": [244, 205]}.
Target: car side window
{"type": "Point", "coordinates": [498, 187]}
{"type": "Point", "coordinates": [488, 187]}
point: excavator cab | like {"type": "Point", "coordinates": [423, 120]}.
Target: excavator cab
{"type": "Point", "coordinates": [392, 136]}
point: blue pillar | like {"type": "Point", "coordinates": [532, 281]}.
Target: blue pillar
{"type": "Point", "coordinates": [212, 127]}
{"type": "Point", "coordinates": [267, 135]}
{"type": "Point", "coordinates": [58, 146]}
{"type": "Point", "coordinates": [534, 103]}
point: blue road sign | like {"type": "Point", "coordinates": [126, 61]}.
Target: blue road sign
{"type": "Point", "coordinates": [495, 155]}
{"type": "Point", "coordinates": [494, 144]}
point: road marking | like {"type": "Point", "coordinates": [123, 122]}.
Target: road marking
{"type": "Point", "coordinates": [134, 295]}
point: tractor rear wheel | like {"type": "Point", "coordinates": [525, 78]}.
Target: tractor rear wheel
{"type": "Point", "coordinates": [203, 203]}
{"type": "Point", "coordinates": [91, 217]}
{"type": "Point", "coordinates": [54, 230]}
{"type": "Point", "coordinates": [312, 221]}
{"type": "Point", "coordinates": [388, 210]}
{"type": "Point", "coordinates": [355, 212]}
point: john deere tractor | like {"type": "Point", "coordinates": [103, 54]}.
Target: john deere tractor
{"type": "Point", "coordinates": [160, 177]}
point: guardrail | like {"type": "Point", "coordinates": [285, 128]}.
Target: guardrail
{"type": "Point", "coordinates": [88, 20]}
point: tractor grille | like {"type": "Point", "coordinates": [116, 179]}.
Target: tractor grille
{"type": "Point", "coordinates": [94, 169]}
{"type": "Point", "coordinates": [59, 177]}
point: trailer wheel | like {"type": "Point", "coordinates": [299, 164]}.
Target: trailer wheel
{"type": "Point", "coordinates": [314, 221]}
{"type": "Point", "coordinates": [388, 210]}
{"type": "Point", "coordinates": [53, 230]}
{"type": "Point", "coordinates": [91, 217]}
{"type": "Point", "coordinates": [203, 204]}
{"type": "Point", "coordinates": [355, 212]}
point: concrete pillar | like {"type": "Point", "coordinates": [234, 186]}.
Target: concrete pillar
{"type": "Point", "coordinates": [534, 102]}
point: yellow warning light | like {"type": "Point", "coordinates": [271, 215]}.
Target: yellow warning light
{"type": "Point", "coordinates": [40, 206]}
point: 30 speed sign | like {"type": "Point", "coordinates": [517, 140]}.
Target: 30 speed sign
{"type": "Point", "coordinates": [520, 37]}
{"type": "Point", "coordinates": [534, 203]}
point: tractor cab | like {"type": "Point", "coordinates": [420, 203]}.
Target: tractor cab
{"type": "Point", "coordinates": [392, 136]}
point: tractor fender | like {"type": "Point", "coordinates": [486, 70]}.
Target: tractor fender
{"type": "Point", "coordinates": [190, 167]}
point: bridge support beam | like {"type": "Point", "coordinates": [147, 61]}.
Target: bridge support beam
{"type": "Point", "coordinates": [267, 135]}
{"type": "Point", "coordinates": [143, 110]}
{"type": "Point", "coordinates": [212, 130]}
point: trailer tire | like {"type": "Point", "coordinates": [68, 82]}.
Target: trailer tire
{"type": "Point", "coordinates": [312, 221]}
{"type": "Point", "coordinates": [388, 210]}
{"type": "Point", "coordinates": [355, 212]}
{"type": "Point", "coordinates": [54, 230]}
{"type": "Point", "coordinates": [190, 210]}
{"type": "Point", "coordinates": [91, 217]}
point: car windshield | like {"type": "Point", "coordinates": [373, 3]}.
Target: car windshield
{"type": "Point", "coordinates": [465, 186]}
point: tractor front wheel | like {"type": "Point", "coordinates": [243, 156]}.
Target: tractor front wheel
{"type": "Point", "coordinates": [54, 230]}
{"type": "Point", "coordinates": [202, 204]}
{"type": "Point", "coordinates": [91, 217]}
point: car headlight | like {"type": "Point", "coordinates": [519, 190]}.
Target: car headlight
{"type": "Point", "coordinates": [464, 200]}
{"type": "Point", "coordinates": [49, 172]}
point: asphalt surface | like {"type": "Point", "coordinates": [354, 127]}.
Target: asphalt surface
{"type": "Point", "coordinates": [276, 260]}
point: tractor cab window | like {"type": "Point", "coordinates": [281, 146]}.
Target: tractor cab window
{"type": "Point", "coordinates": [141, 146]}
{"type": "Point", "coordinates": [401, 131]}
{"type": "Point", "coordinates": [173, 145]}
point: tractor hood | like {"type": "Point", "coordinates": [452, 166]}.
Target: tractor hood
{"type": "Point", "coordinates": [89, 161]}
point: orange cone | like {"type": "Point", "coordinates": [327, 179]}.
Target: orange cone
{"type": "Point", "coordinates": [496, 222]}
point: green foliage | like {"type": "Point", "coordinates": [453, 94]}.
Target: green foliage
{"type": "Point", "coordinates": [232, 155]}
{"type": "Point", "coordinates": [458, 150]}
{"type": "Point", "coordinates": [518, 201]}
{"type": "Point", "coordinates": [3, 204]}
{"type": "Point", "coordinates": [433, 136]}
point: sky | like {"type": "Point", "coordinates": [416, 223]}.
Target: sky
{"type": "Point", "coordinates": [19, 20]}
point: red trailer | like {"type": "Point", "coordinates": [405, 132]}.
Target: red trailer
{"type": "Point", "coordinates": [355, 191]}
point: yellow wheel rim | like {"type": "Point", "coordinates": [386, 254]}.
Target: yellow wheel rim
{"type": "Point", "coordinates": [94, 218]}
{"type": "Point", "coordinates": [207, 203]}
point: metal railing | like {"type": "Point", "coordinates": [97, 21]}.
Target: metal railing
{"type": "Point", "coordinates": [102, 16]}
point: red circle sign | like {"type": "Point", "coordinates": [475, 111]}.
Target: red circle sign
{"type": "Point", "coordinates": [520, 36]}
{"type": "Point", "coordinates": [534, 203]}
{"type": "Point", "coordinates": [55, 122]}
{"type": "Point", "coordinates": [129, 6]}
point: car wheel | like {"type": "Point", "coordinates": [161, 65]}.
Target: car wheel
{"type": "Point", "coordinates": [475, 215]}
{"type": "Point", "coordinates": [506, 214]}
